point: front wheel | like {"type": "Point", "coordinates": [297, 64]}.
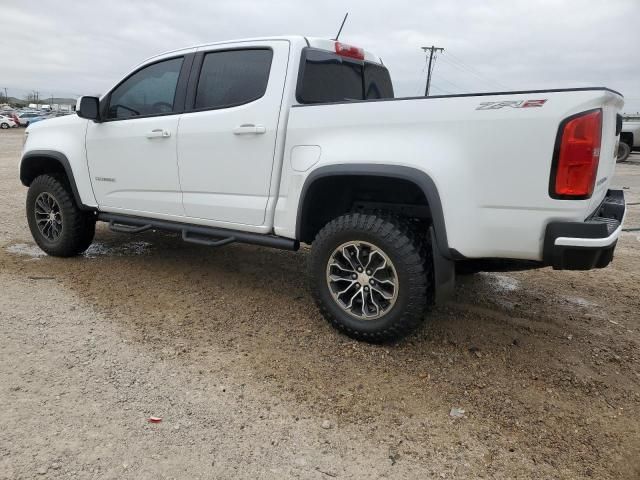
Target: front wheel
{"type": "Point", "coordinates": [57, 225]}
{"type": "Point", "coordinates": [371, 276]}
{"type": "Point", "coordinates": [4, 125]}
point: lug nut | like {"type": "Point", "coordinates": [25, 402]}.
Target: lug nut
{"type": "Point", "coordinates": [354, 276]}
{"type": "Point", "coordinates": [360, 269]}
{"type": "Point", "coordinates": [357, 285]}
{"type": "Point", "coordinates": [366, 289]}
{"type": "Point", "coordinates": [372, 281]}
{"type": "Point", "coordinates": [368, 272]}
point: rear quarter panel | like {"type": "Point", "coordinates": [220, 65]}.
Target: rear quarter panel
{"type": "Point", "coordinates": [491, 167]}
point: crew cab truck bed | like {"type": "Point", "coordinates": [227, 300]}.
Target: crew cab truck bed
{"type": "Point", "coordinates": [287, 140]}
{"type": "Point", "coordinates": [490, 168]}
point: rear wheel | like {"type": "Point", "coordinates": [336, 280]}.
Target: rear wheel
{"type": "Point", "coordinates": [371, 276]}
{"type": "Point", "coordinates": [624, 150]}
{"type": "Point", "coordinates": [57, 225]}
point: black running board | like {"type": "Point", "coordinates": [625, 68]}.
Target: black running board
{"type": "Point", "coordinates": [209, 236]}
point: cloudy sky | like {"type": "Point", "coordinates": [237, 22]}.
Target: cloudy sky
{"type": "Point", "coordinates": [68, 48]}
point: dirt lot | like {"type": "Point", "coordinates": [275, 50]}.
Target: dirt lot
{"type": "Point", "coordinates": [251, 382]}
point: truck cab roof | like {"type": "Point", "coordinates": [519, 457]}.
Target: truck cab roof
{"type": "Point", "coordinates": [296, 40]}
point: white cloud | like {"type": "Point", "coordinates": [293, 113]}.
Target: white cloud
{"type": "Point", "coordinates": [66, 48]}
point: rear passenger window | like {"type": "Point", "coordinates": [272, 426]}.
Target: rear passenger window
{"type": "Point", "coordinates": [233, 77]}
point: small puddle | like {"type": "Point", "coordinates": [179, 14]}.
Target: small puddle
{"type": "Point", "coordinates": [501, 283]}
{"type": "Point", "coordinates": [99, 249]}
{"type": "Point", "coordinates": [27, 250]}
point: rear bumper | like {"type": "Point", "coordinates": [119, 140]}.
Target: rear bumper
{"type": "Point", "coordinates": [589, 244]}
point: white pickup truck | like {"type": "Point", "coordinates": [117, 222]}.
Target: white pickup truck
{"type": "Point", "coordinates": [289, 140]}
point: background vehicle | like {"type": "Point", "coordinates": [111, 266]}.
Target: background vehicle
{"type": "Point", "coordinates": [630, 137]}
{"type": "Point", "coordinates": [12, 115]}
{"type": "Point", "coordinates": [6, 122]}
{"type": "Point", "coordinates": [26, 118]}
{"type": "Point", "coordinates": [285, 140]}
{"type": "Point", "coordinates": [39, 118]}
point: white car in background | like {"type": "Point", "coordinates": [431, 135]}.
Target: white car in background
{"type": "Point", "coordinates": [6, 122]}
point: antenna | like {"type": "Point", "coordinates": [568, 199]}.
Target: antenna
{"type": "Point", "coordinates": [343, 20]}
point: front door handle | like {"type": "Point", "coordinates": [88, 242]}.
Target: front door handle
{"type": "Point", "coordinates": [159, 133]}
{"type": "Point", "coordinates": [247, 129]}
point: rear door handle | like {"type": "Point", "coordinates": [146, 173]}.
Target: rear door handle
{"type": "Point", "coordinates": [158, 133]}
{"type": "Point", "coordinates": [247, 129]}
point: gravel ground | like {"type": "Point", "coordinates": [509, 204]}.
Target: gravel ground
{"type": "Point", "coordinates": [250, 382]}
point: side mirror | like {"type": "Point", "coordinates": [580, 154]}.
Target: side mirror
{"type": "Point", "coordinates": [89, 108]}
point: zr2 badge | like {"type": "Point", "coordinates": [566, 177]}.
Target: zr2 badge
{"type": "Point", "coordinates": [511, 104]}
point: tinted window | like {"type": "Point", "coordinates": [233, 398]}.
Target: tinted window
{"type": "Point", "coordinates": [327, 77]}
{"type": "Point", "coordinates": [233, 77]}
{"type": "Point", "coordinates": [377, 82]}
{"type": "Point", "coordinates": [149, 91]}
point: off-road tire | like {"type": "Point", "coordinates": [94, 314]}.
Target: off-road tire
{"type": "Point", "coordinates": [411, 256]}
{"type": "Point", "coordinates": [78, 227]}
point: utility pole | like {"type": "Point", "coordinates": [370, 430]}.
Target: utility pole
{"type": "Point", "coordinates": [432, 49]}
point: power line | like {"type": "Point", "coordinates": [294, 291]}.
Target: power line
{"type": "Point", "coordinates": [442, 89]}
{"type": "Point", "coordinates": [419, 87]}
{"type": "Point", "coordinates": [460, 64]}
{"type": "Point", "coordinates": [441, 78]}
{"type": "Point", "coordinates": [450, 83]}
{"type": "Point", "coordinates": [468, 72]}
{"type": "Point", "coordinates": [432, 49]}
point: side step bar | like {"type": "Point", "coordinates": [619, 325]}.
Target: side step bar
{"type": "Point", "coordinates": [209, 236]}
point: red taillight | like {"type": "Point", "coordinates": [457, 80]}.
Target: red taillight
{"type": "Point", "coordinates": [350, 51]}
{"type": "Point", "coordinates": [577, 155]}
